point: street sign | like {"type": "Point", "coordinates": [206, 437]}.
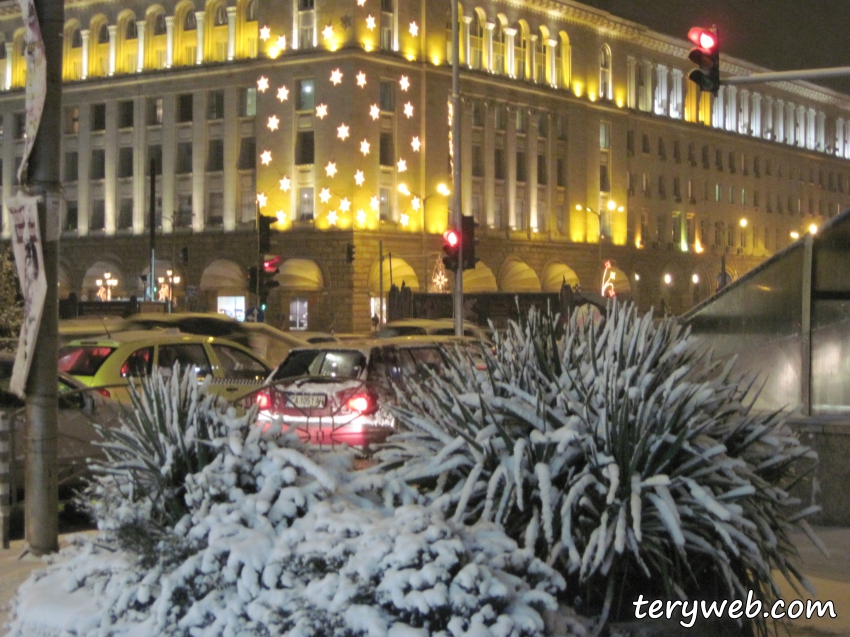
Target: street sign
{"type": "Point", "coordinates": [255, 315]}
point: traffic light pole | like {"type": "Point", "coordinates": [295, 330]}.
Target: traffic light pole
{"type": "Point", "coordinates": [780, 76]}
{"type": "Point", "coordinates": [456, 172]}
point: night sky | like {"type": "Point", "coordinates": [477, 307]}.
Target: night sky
{"type": "Point", "coordinates": [777, 34]}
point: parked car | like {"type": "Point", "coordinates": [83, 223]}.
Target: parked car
{"type": "Point", "coordinates": [270, 343]}
{"type": "Point", "coordinates": [79, 409]}
{"type": "Point", "coordinates": [108, 362]}
{"type": "Point", "coordinates": [340, 392]}
{"type": "Point", "coordinates": [429, 327]}
{"type": "Point", "coordinates": [199, 323]}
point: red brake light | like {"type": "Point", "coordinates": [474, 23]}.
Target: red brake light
{"type": "Point", "coordinates": [104, 392]}
{"type": "Point", "coordinates": [264, 400]}
{"type": "Point", "coordinates": [362, 403]}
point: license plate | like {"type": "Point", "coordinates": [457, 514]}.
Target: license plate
{"type": "Point", "coordinates": [306, 401]}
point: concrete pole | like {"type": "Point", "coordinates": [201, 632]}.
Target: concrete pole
{"type": "Point", "coordinates": [41, 507]}
{"type": "Point", "coordinates": [456, 173]}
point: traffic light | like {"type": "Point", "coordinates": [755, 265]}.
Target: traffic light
{"type": "Point", "coordinates": [707, 55]}
{"type": "Point", "coordinates": [265, 230]}
{"type": "Point", "coordinates": [267, 284]}
{"type": "Point", "coordinates": [467, 239]}
{"type": "Point", "coordinates": [451, 245]}
{"type": "Point", "coordinates": [252, 279]}
{"type": "Point", "coordinates": [349, 253]}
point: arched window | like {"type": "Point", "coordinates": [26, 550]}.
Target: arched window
{"type": "Point", "coordinates": [251, 11]}
{"type": "Point", "coordinates": [221, 16]}
{"type": "Point", "coordinates": [499, 48]}
{"type": "Point", "coordinates": [77, 39]}
{"type": "Point", "coordinates": [159, 24]}
{"type": "Point", "coordinates": [72, 62]}
{"type": "Point", "coordinates": [103, 34]}
{"type": "Point", "coordinates": [130, 32]}
{"type": "Point", "coordinates": [605, 72]}
{"type": "Point", "coordinates": [189, 22]}
{"type": "Point", "coordinates": [521, 55]}
{"type": "Point", "coordinates": [540, 59]}
{"type": "Point", "coordinates": [476, 42]}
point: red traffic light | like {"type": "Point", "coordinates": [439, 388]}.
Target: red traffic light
{"type": "Point", "coordinates": [703, 38]}
{"type": "Point", "coordinates": [451, 237]}
{"type": "Point", "coordinates": [270, 265]}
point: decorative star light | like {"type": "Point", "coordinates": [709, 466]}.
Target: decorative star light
{"type": "Point", "coordinates": [415, 144]}
{"type": "Point", "coordinates": [328, 32]}
{"type": "Point", "coordinates": [321, 111]}
{"type": "Point", "coordinates": [370, 23]}
{"type": "Point", "coordinates": [336, 76]}
{"type": "Point", "coordinates": [281, 42]}
{"type": "Point", "coordinates": [263, 84]}
{"type": "Point", "coordinates": [359, 178]}
{"type": "Point", "coordinates": [285, 183]}
{"type": "Point", "coordinates": [404, 83]}
{"type": "Point", "coordinates": [402, 165]}
{"type": "Point", "coordinates": [374, 204]}
{"type": "Point", "coordinates": [342, 132]}
{"type": "Point", "coordinates": [414, 29]}
{"type": "Point", "coordinates": [345, 204]}
{"type": "Point", "coordinates": [332, 217]}
{"type": "Point", "coordinates": [325, 195]}
{"type": "Point", "coordinates": [266, 157]}
{"type": "Point", "coordinates": [440, 281]}
{"type": "Point", "coordinates": [330, 169]}
{"type": "Point", "coordinates": [283, 93]}
{"type": "Point", "coordinates": [261, 199]}
{"type": "Point", "coordinates": [408, 110]}
{"type": "Point", "coordinates": [273, 122]}
{"type": "Point", "coordinates": [415, 203]}
{"type": "Point", "coordinates": [374, 111]}
{"type": "Point", "coordinates": [404, 220]}
{"type": "Point", "coordinates": [364, 147]}
{"type": "Point", "coordinates": [281, 217]}
{"type": "Point", "coordinates": [361, 79]}
{"type": "Point", "coordinates": [265, 33]}
{"type": "Point", "coordinates": [361, 217]}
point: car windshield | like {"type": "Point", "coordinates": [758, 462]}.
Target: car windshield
{"type": "Point", "coordinates": [400, 330]}
{"type": "Point", "coordinates": [83, 360]}
{"type": "Point", "coordinates": [319, 362]}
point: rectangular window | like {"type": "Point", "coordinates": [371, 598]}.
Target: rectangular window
{"type": "Point", "coordinates": [125, 114]}
{"type": "Point", "coordinates": [71, 166]}
{"type": "Point", "coordinates": [183, 214]}
{"type": "Point", "coordinates": [183, 165]}
{"type": "Point", "coordinates": [72, 120]}
{"type": "Point", "coordinates": [248, 102]}
{"type": "Point", "coordinates": [305, 95]}
{"type": "Point", "coordinates": [387, 95]}
{"type": "Point", "coordinates": [305, 149]}
{"type": "Point", "coordinates": [677, 189]}
{"type": "Point", "coordinates": [184, 108]}
{"type": "Point", "coordinates": [499, 117]}
{"type": "Point", "coordinates": [155, 158]}
{"type": "Point", "coordinates": [20, 125]}
{"type": "Point", "coordinates": [477, 160]}
{"type": "Point", "coordinates": [97, 170]}
{"type": "Point", "coordinates": [520, 166]}
{"type": "Point", "coordinates": [386, 150]}
{"type": "Point", "coordinates": [644, 146]}
{"type": "Point", "coordinates": [384, 199]}
{"type": "Point", "coordinates": [562, 127]}
{"type": "Point", "coordinates": [306, 23]}
{"type": "Point", "coordinates": [706, 163]}
{"type": "Point", "coordinates": [215, 104]}
{"type": "Point", "coordinates": [387, 19]}
{"type": "Point", "coordinates": [521, 120]}
{"type": "Point", "coordinates": [499, 163]}
{"type": "Point", "coordinates": [604, 178]}
{"type": "Point", "coordinates": [520, 214]}
{"type": "Point", "coordinates": [98, 117]}
{"type": "Point", "coordinates": [719, 233]}
{"type": "Point", "coordinates": [71, 215]}
{"type": "Point", "coordinates": [477, 114]}
{"type": "Point", "coordinates": [543, 125]}
{"type": "Point", "coordinates": [732, 163]}
{"type": "Point", "coordinates": [247, 154]}
{"type": "Point", "coordinates": [730, 236]}
{"type": "Point", "coordinates": [677, 153]}
{"type": "Point", "coordinates": [215, 209]}
{"type": "Point", "coordinates": [125, 161]}
{"type": "Point", "coordinates": [542, 177]}
{"type": "Point", "coordinates": [561, 176]}
{"type": "Point", "coordinates": [604, 136]}
{"type": "Point", "coordinates": [630, 143]}
{"type": "Point", "coordinates": [125, 213]}
{"type": "Point", "coordinates": [718, 159]}
{"type": "Point", "coordinates": [305, 204]}
{"type": "Point", "coordinates": [97, 219]}
{"type": "Point", "coordinates": [154, 111]}
{"type": "Point", "coordinates": [215, 155]}
{"type": "Point", "coordinates": [662, 149]}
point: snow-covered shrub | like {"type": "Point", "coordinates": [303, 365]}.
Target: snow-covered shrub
{"type": "Point", "coordinates": [273, 537]}
{"type": "Point", "coordinates": [618, 451]}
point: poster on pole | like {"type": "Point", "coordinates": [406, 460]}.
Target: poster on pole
{"type": "Point", "coordinates": [26, 244]}
{"type": "Point", "coordinates": [36, 80]}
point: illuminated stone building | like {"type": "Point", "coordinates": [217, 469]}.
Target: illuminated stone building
{"type": "Point", "coordinates": [582, 142]}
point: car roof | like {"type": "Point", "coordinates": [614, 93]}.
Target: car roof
{"type": "Point", "coordinates": [133, 336]}
{"type": "Point", "coordinates": [366, 345]}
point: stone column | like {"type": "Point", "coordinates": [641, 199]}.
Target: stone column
{"type": "Point", "coordinates": [141, 185]}
{"type": "Point", "coordinates": [199, 156]}
{"type": "Point", "coordinates": [532, 45]}
{"type": "Point", "coordinates": [169, 41]}
{"type": "Point", "coordinates": [553, 56]}
{"type": "Point", "coordinates": [199, 20]}
{"type": "Point", "coordinates": [84, 165]}
{"type": "Point", "coordinates": [85, 54]}
{"type": "Point", "coordinates": [487, 219]}
{"type": "Point", "coordinates": [732, 108]}
{"type": "Point", "coordinates": [231, 153]}
{"type": "Point", "coordinates": [510, 160]}
{"type": "Point", "coordinates": [7, 79]}
{"type": "Point", "coordinates": [488, 46]}
{"type": "Point", "coordinates": [661, 90]}
{"type": "Point", "coordinates": [531, 177]}
{"type": "Point", "coordinates": [140, 45]}
{"type": "Point", "coordinates": [767, 119]}
{"type": "Point", "coordinates": [648, 95]}
{"type": "Point", "coordinates": [717, 113]}
{"type": "Point", "coordinates": [820, 131]}
{"type": "Point", "coordinates": [839, 137]}
{"type": "Point", "coordinates": [231, 34]}
{"type": "Point", "coordinates": [510, 53]}
{"type": "Point", "coordinates": [169, 151]}
{"type": "Point", "coordinates": [631, 69]}
{"type": "Point", "coordinates": [467, 50]}
{"type": "Point", "coordinates": [110, 185]}
{"type": "Point", "coordinates": [779, 120]}
{"type": "Point", "coordinates": [112, 31]}
{"type": "Point", "coordinates": [744, 119]}
{"type": "Point", "coordinates": [676, 95]}
{"type": "Point", "coordinates": [755, 122]}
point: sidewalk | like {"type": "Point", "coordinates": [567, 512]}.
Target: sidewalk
{"type": "Point", "coordinates": [829, 575]}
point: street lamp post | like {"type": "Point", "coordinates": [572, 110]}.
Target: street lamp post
{"type": "Point", "coordinates": [166, 290]}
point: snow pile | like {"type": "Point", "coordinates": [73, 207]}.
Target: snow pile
{"type": "Point", "coordinates": [276, 538]}
{"type": "Point", "coordinates": [617, 451]}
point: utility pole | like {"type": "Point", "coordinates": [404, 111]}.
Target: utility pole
{"type": "Point", "coordinates": [152, 222]}
{"type": "Point", "coordinates": [456, 172]}
{"type": "Point", "coordinates": [41, 506]}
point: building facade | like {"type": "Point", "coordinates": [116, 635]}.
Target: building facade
{"type": "Point", "coordinates": [582, 143]}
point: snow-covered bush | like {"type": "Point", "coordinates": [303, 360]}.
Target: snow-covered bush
{"type": "Point", "coordinates": [11, 304]}
{"type": "Point", "coordinates": [618, 451]}
{"type": "Point", "coordinates": [275, 538]}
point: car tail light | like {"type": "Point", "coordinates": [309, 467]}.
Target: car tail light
{"type": "Point", "coordinates": [264, 400]}
{"type": "Point", "coordinates": [362, 403]}
{"type": "Point", "coordinates": [104, 392]}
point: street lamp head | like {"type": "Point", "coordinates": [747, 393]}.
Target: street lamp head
{"type": "Point", "coordinates": [176, 280]}
{"type": "Point", "coordinates": [98, 282]}
{"type": "Point", "coordinates": [579, 207]}
{"type": "Point", "coordinates": [813, 229]}
{"type": "Point", "coordinates": [611, 205]}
